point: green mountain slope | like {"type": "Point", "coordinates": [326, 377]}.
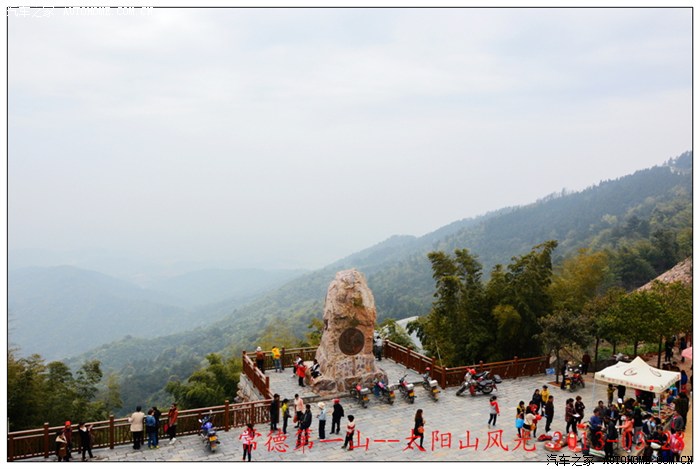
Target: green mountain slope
{"type": "Point", "coordinates": [611, 214]}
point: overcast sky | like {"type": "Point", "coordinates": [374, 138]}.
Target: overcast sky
{"type": "Point", "coordinates": [295, 137]}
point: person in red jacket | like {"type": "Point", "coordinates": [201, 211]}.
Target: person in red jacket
{"type": "Point", "coordinates": [495, 411]}
{"type": "Point", "coordinates": [301, 373]}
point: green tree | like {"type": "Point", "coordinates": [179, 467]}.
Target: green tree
{"type": "Point", "coordinates": [526, 289]}
{"type": "Point", "coordinates": [60, 393]}
{"type": "Point", "coordinates": [208, 386]}
{"type": "Point", "coordinates": [578, 280]}
{"type": "Point", "coordinates": [676, 300]}
{"type": "Point", "coordinates": [395, 333]}
{"type": "Point", "coordinates": [26, 391]}
{"type": "Point", "coordinates": [607, 323]}
{"type": "Point", "coordinates": [111, 394]}
{"type": "Point", "coordinates": [563, 328]}
{"type": "Point", "coordinates": [644, 316]}
{"type": "Point", "coordinates": [455, 329]}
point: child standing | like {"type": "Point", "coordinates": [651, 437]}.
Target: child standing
{"type": "Point", "coordinates": [545, 397]}
{"type": "Point", "coordinates": [247, 437]}
{"type": "Point", "coordinates": [495, 412]}
{"type": "Point", "coordinates": [520, 418]}
{"type": "Point", "coordinates": [350, 433]}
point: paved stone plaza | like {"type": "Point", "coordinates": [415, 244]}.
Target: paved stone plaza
{"type": "Point", "coordinates": [383, 429]}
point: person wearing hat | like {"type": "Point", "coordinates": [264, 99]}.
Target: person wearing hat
{"type": "Point", "coordinates": [68, 435]}
{"type": "Point", "coordinates": [337, 414]}
{"type": "Point", "coordinates": [260, 359]}
{"type": "Point", "coordinates": [322, 421]}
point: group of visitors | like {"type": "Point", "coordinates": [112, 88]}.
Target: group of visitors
{"type": "Point", "coordinates": [671, 344]}
{"type": "Point", "coordinates": [527, 418]}
{"type": "Point", "coordinates": [64, 441]}
{"type": "Point", "coordinates": [150, 422]}
{"type": "Point", "coordinates": [302, 417]}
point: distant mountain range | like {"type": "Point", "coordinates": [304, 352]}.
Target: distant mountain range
{"type": "Point", "coordinates": [62, 311]}
{"type": "Point", "coordinates": [609, 215]}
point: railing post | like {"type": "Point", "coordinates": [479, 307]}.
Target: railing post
{"type": "Point", "coordinates": [515, 365]}
{"type": "Point", "coordinates": [111, 431]}
{"type": "Point", "coordinates": [282, 358]}
{"type": "Point", "coordinates": [11, 447]}
{"type": "Point", "coordinates": [408, 356]}
{"type": "Point", "coordinates": [226, 415]}
{"type": "Point", "coordinates": [47, 442]}
{"type": "Point", "coordinates": [444, 378]}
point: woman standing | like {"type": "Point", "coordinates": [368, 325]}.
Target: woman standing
{"type": "Point", "coordinates": [536, 401]}
{"type": "Point", "coordinates": [274, 412]}
{"type": "Point", "coordinates": [172, 422]}
{"type": "Point", "coordinates": [322, 421]}
{"type": "Point", "coordinates": [301, 373]}
{"type": "Point", "coordinates": [285, 415]}
{"type": "Point", "coordinates": [85, 439]}
{"type": "Point", "coordinates": [248, 436]}
{"type": "Point", "coordinates": [569, 416]}
{"type": "Point", "coordinates": [579, 407]}
{"type": "Point", "coordinates": [520, 418]}
{"type": "Point", "coordinates": [418, 429]}
{"type": "Point", "coordinates": [136, 421]}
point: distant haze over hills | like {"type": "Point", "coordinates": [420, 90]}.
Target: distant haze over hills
{"type": "Point", "coordinates": [62, 311]}
{"type": "Point", "coordinates": [609, 215]}
{"type": "Point", "coordinates": [234, 308]}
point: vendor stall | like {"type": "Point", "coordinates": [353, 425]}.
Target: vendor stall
{"type": "Point", "coordinates": [640, 375]}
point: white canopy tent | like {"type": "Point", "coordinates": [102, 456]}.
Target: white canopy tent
{"type": "Point", "coordinates": [638, 375]}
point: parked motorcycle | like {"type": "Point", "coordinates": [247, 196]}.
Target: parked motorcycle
{"type": "Point", "coordinates": [430, 385]}
{"type": "Point", "coordinates": [384, 391]}
{"type": "Point", "coordinates": [574, 379]}
{"type": "Point", "coordinates": [406, 389]}
{"type": "Point", "coordinates": [361, 394]}
{"type": "Point", "coordinates": [208, 433]}
{"type": "Point", "coordinates": [478, 382]}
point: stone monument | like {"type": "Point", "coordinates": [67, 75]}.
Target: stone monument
{"type": "Point", "coordinates": [345, 354]}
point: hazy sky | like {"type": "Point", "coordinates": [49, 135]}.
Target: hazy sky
{"type": "Point", "coordinates": [295, 137]}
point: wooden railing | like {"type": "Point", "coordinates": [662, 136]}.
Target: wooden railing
{"type": "Point", "coordinates": [113, 432]}
{"type": "Point", "coordinates": [453, 376]}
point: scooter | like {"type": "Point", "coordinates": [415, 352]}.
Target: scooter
{"type": "Point", "coordinates": [430, 385]}
{"type": "Point", "coordinates": [574, 379]}
{"type": "Point", "coordinates": [361, 394]}
{"type": "Point", "coordinates": [208, 433]}
{"type": "Point", "coordinates": [406, 389]}
{"type": "Point", "coordinates": [478, 382]}
{"type": "Point", "coordinates": [384, 391]}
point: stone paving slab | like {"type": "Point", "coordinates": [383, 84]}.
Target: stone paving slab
{"type": "Point", "coordinates": [447, 424]}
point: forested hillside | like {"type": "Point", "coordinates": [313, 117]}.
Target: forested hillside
{"type": "Point", "coordinates": [643, 220]}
